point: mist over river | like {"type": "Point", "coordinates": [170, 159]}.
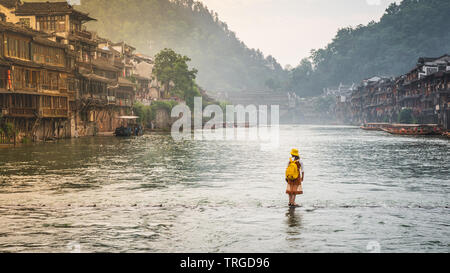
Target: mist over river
{"type": "Point", "coordinates": [364, 191]}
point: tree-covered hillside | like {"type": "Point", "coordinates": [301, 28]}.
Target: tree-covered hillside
{"type": "Point", "coordinates": [390, 47]}
{"type": "Point", "coordinates": [224, 62]}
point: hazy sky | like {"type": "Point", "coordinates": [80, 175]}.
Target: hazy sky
{"type": "Point", "coordinates": [289, 29]}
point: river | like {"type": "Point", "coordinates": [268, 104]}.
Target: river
{"type": "Point", "coordinates": [364, 191]}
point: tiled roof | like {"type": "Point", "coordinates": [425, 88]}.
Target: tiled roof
{"type": "Point", "coordinates": [104, 65]}
{"type": "Point", "coordinates": [38, 36]}
{"type": "Point", "coordinates": [27, 63]}
{"type": "Point", "coordinates": [8, 3]}
{"type": "Point", "coordinates": [35, 8]}
{"type": "Point", "coordinates": [125, 82]}
{"type": "Point", "coordinates": [4, 62]}
{"type": "Point", "coordinates": [5, 26]}
{"type": "Point", "coordinates": [48, 42]}
{"type": "Point", "coordinates": [92, 76]}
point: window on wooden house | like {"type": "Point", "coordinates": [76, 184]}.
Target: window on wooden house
{"type": "Point", "coordinates": [53, 81]}
{"type": "Point", "coordinates": [71, 84]}
{"type": "Point", "coordinates": [61, 103]}
{"type": "Point", "coordinates": [53, 56]}
{"type": "Point", "coordinates": [3, 77]}
{"type": "Point", "coordinates": [48, 23]}
{"type": "Point", "coordinates": [25, 78]}
{"type": "Point", "coordinates": [59, 56]}
{"type": "Point", "coordinates": [14, 101]}
{"type": "Point", "coordinates": [75, 25]}
{"type": "Point", "coordinates": [28, 101]}
{"type": "Point", "coordinates": [37, 55]}
{"type": "Point", "coordinates": [25, 22]}
{"type": "Point", "coordinates": [31, 77]}
{"type": "Point", "coordinates": [72, 106]}
{"type": "Point", "coordinates": [22, 101]}
{"type": "Point", "coordinates": [62, 81]}
{"type": "Point", "coordinates": [84, 86]}
{"type": "Point", "coordinates": [61, 24]}
{"type": "Point", "coordinates": [50, 80]}
{"type": "Point", "coordinates": [2, 101]}
{"type": "Point", "coordinates": [55, 102]}
{"type": "Point", "coordinates": [18, 48]}
{"type": "Point", "coordinates": [46, 54]}
{"type": "Point", "coordinates": [47, 102]}
{"type": "Point", "coordinates": [18, 78]}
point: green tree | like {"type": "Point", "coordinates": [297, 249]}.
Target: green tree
{"type": "Point", "coordinates": [272, 84]}
{"type": "Point", "coordinates": [225, 63]}
{"type": "Point", "coordinates": [172, 70]}
{"type": "Point", "coordinates": [389, 47]}
{"type": "Point", "coordinates": [301, 78]}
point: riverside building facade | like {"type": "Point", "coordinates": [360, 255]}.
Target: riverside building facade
{"type": "Point", "coordinates": [59, 80]}
{"type": "Point", "coordinates": [425, 90]}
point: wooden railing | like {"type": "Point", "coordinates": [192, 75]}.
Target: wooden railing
{"type": "Point", "coordinates": [3, 138]}
{"type": "Point", "coordinates": [6, 139]}
{"type": "Point", "coordinates": [111, 100]}
{"type": "Point", "coordinates": [22, 112]}
{"type": "Point", "coordinates": [54, 112]}
{"type": "Point", "coordinates": [123, 102]}
{"type": "Point", "coordinates": [82, 33]}
{"type": "Point", "coordinates": [72, 95]}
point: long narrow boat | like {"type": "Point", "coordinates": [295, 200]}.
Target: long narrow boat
{"type": "Point", "coordinates": [413, 129]}
{"type": "Point", "coordinates": [374, 126]}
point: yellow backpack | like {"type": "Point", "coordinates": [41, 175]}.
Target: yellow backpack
{"type": "Point", "coordinates": [292, 171]}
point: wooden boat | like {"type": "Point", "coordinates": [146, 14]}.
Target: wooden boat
{"type": "Point", "coordinates": [130, 128]}
{"type": "Point", "coordinates": [374, 126]}
{"type": "Point", "coordinates": [413, 129]}
{"type": "Point", "coordinates": [123, 131]}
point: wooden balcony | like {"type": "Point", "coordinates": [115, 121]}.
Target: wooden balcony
{"type": "Point", "coordinates": [111, 100]}
{"type": "Point", "coordinates": [72, 95]}
{"type": "Point", "coordinates": [54, 113]}
{"type": "Point", "coordinates": [22, 112]}
{"type": "Point", "coordinates": [82, 33]}
{"type": "Point", "coordinates": [118, 63]}
{"type": "Point", "coordinates": [124, 102]}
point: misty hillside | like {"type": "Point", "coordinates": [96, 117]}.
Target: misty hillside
{"type": "Point", "coordinates": [224, 62]}
{"type": "Point", "coordinates": [390, 47]}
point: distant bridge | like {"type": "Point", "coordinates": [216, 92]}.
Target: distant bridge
{"type": "Point", "coordinates": [287, 101]}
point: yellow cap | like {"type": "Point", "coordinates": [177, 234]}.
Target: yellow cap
{"type": "Point", "coordinates": [294, 152]}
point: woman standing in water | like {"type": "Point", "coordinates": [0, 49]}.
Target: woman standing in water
{"type": "Point", "coordinates": [294, 177]}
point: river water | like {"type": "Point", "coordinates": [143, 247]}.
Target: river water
{"type": "Point", "coordinates": [364, 191]}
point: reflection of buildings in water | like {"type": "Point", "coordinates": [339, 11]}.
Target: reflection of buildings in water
{"type": "Point", "coordinates": [293, 221]}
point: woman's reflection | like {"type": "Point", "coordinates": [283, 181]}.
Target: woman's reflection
{"type": "Point", "coordinates": [294, 221]}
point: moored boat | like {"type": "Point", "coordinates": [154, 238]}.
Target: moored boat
{"type": "Point", "coordinates": [413, 129]}
{"type": "Point", "coordinates": [129, 127]}
{"type": "Point", "coordinates": [123, 131]}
